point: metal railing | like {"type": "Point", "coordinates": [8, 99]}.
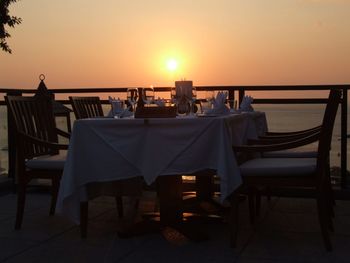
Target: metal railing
{"type": "Point", "coordinates": [235, 92]}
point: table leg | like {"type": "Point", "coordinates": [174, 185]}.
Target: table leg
{"type": "Point", "coordinates": [174, 229]}
{"type": "Point", "coordinates": [84, 206]}
{"type": "Point", "coordinates": [204, 187]}
{"type": "Point", "coordinates": [170, 199]}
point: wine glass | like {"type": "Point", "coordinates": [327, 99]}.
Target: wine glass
{"type": "Point", "coordinates": [209, 96]}
{"type": "Point", "coordinates": [232, 104]}
{"type": "Point", "coordinates": [173, 95]}
{"type": "Point", "coordinates": [148, 95]}
{"type": "Point", "coordinates": [193, 100]}
{"type": "Point", "coordinates": [132, 95]}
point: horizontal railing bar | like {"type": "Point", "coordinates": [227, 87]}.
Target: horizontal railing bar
{"type": "Point", "coordinates": [261, 101]}
{"type": "Point", "coordinates": [256, 101]}
{"type": "Point", "coordinates": [275, 88]}
{"type": "Point", "coordinates": [290, 101]}
{"type": "Point", "coordinates": [200, 88]}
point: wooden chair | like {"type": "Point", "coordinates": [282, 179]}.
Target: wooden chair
{"type": "Point", "coordinates": [90, 107]}
{"type": "Point", "coordinates": [280, 137]}
{"type": "Point", "coordinates": [86, 107]}
{"type": "Point", "coordinates": [284, 137]}
{"type": "Point", "coordinates": [38, 153]}
{"type": "Point", "coordinates": [293, 172]}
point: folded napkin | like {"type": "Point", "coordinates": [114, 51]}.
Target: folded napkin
{"type": "Point", "coordinates": [126, 113]}
{"type": "Point", "coordinates": [219, 105]}
{"type": "Point", "coordinates": [118, 110]}
{"type": "Point", "coordinates": [246, 104]}
{"type": "Point", "coordinates": [111, 98]}
{"type": "Point", "coordinates": [117, 105]}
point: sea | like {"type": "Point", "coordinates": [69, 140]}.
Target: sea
{"type": "Point", "coordinates": [279, 118]}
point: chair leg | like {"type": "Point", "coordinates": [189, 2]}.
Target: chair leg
{"type": "Point", "coordinates": [329, 204]}
{"type": "Point", "coordinates": [330, 225]}
{"type": "Point", "coordinates": [258, 203]}
{"type": "Point", "coordinates": [119, 201]}
{"type": "Point", "coordinates": [330, 200]}
{"type": "Point", "coordinates": [328, 176]}
{"type": "Point", "coordinates": [251, 202]}
{"type": "Point", "coordinates": [156, 204]}
{"type": "Point", "coordinates": [233, 220]}
{"type": "Point", "coordinates": [324, 221]}
{"type": "Point", "coordinates": [330, 196]}
{"type": "Point", "coordinates": [268, 193]}
{"type": "Point", "coordinates": [54, 193]}
{"type": "Point", "coordinates": [137, 203]}
{"type": "Point", "coordinates": [21, 199]}
{"type": "Point", "coordinates": [84, 209]}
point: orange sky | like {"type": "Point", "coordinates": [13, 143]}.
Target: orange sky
{"type": "Point", "coordinates": [112, 43]}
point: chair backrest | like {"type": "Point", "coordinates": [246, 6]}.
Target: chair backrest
{"type": "Point", "coordinates": [34, 117]}
{"type": "Point", "coordinates": [86, 107]}
{"type": "Point", "coordinates": [330, 114]}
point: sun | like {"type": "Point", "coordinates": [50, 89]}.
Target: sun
{"type": "Point", "coordinates": [171, 64]}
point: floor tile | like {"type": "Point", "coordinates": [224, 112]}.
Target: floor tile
{"type": "Point", "coordinates": [286, 231]}
{"type": "Point", "coordinates": [296, 247]}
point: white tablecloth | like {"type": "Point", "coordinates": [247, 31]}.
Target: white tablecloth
{"type": "Point", "coordinates": [103, 150]}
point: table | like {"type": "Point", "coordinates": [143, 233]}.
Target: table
{"type": "Point", "coordinates": [107, 149]}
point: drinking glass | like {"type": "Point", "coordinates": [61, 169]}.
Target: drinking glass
{"type": "Point", "coordinates": [173, 95]}
{"type": "Point", "coordinates": [117, 108]}
{"type": "Point", "coordinates": [232, 104]}
{"type": "Point", "coordinates": [148, 95]}
{"type": "Point", "coordinates": [132, 95]}
{"type": "Point", "coordinates": [183, 105]}
{"type": "Point", "coordinates": [193, 100]}
{"type": "Point", "coordinates": [209, 96]}
{"type": "Point", "coordinates": [206, 106]}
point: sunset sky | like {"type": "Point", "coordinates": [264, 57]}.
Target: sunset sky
{"type": "Point", "coordinates": [118, 43]}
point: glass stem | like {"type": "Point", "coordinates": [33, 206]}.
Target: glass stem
{"type": "Point", "coordinates": [191, 108]}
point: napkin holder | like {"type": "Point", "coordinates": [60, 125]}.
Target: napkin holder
{"type": "Point", "coordinates": [155, 112]}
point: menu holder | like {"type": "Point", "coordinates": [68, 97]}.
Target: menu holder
{"type": "Point", "coordinates": [156, 112]}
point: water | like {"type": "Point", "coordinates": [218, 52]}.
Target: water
{"type": "Point", "coordinates": [279, 117]}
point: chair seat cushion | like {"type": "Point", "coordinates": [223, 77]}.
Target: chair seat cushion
{"type": "Point", "coordinates": [48, 162]}
{"type": "Point", "coordinates": [290, 154]}
{"type": "Point", "coordinates": [279, 167]}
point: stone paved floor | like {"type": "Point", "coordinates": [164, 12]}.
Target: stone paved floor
{"type": "Point", "coordinates": [287, 231]}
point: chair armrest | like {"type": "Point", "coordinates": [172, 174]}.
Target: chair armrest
{"type": "Point", "coordinates": [280, 139]}
{"type": "Point", "coordinates": [268, 141]}
{"type": "Point", "coordinates": [291, 136]}
{"type": "Point", "coordinates": [34, 140]}
{"type": "Point", "coordinates": [63, 133]}
{"type": "Point", "coordinates": [272, 134]}
{"type": "Point", "coordinates": [278, 146]}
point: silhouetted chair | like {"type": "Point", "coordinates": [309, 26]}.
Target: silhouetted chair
{"type": "Point", "coordinates": [283, 137]}
{"type": "Point", "coordinates": [90, 107]}
{"type": "Point", "coordinates": [293, 172]}
{"type": "Point", "coordinates": [280, 137]}
{"type": "Point", "coordinates": [38, 152]}
{"type": "Point", "coordinates": [86, 107]}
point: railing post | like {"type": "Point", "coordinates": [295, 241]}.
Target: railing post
{"type": "Point", "coordinates": [343, 151]}
{"type": "Point", "coordinates": [231, 97]}
{"type": "Point", "coordinates": [11, 142]}
{"type": "Point", "coordinates": [240, 95]}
